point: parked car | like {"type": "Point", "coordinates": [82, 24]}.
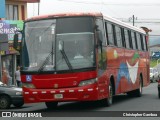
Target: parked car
{"type": "Point", "coordinates": [154, 75]}
{"type": "Point", "coordinates": [156, 55]}
{"type": "Point", "coordinates": [10, 95]}
{"type": "Point", "coordinates": [159, 88]}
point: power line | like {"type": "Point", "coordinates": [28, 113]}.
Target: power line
{"type": "Point", "coordinates": [83, 2]}
{"type": "Point", "coordinates": [142, 22]}
{"type": "Point", "coordinates": [96, 3]}
{"type": "Point", "coordinates": [122, 4]}
{"type": "Point", "coordinates": [134, 4]}
{"type": "Point", "coordinates": [151, 19]}
{"type": "Point", "coordinates": [119, 4]}
{"type": "Point", "coordinates": [154, 21]}
{"type": "Point", "coordinates": [141, 19]}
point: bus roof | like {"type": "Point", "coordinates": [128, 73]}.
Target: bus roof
{"type": "Point", "coordinates": [57, 15]}
{"type": "Point", "coordinates": [113, 20]}
{"type": "Point", "coordinates": [94, 14]}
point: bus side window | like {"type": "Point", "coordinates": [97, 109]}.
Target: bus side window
{"type": "Point", "coordinates": [146, 40]}
{"type": "Point", "coordinates": [138, 41]}
{"type": "Point", "coordinates": [133, 40]}
{"type": "Point", "coordinates": [130, 39]}
{"type": "Point", "coordinates": [118, 36]}
{"type": "Point", "coordinates": [114, 35]}
{"type": "Point", "coordinates": [106, 33]}
{"type": "Point", "coordinates": [142, 45]}
{"type": "Point", "coordinates": [123, 38]}
{"type": "Point", "coordinates": [110, 34]}
{"type": "Point", "coordinates": [126, 38]}
{"type": "Point", "coordinates": [99, 23]}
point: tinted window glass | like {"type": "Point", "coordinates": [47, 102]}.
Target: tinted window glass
{"type": "Point", "coordinates": [138, 41]}
{"type": "Point", "coordinates": [144, 43]}
{"type": "Point", "coordinates": [99, 23]}
{"type": "Point", "coordinates": [114, 35]}
{"type": "Point", "coordinates": [74, 25]}
{"type": "Point", "coordinates": [123, 38]}
{"type": "Point", "coordinates": [133, 40]}
{"type": "Point", "coordinates": [126, 38]}
{"type": "Point", "coordinates": [110, 34]}
{"type": "Point", "coordinates": [118, 36]}
{"type": "Point", "coordinates": [130, 39]}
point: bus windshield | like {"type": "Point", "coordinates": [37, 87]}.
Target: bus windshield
{"type": "Point", "coordinates": [58, 44]}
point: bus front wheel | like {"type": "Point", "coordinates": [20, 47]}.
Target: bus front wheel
{"type": "Point", "coordinates": [51, 105]}
{"type": "Point", "coordinates": [108, 101]}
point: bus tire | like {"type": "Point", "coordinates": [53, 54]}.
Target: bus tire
{"type": "Point", "coordinates": [18, 104]}
{"type": "Point", "coordinates": [138, 92]}
{"type": "Point", "coordinates": [51, 105]}
{"type": "Point", "coordinates": [108, 101]}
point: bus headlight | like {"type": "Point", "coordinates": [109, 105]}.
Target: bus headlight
{"type": "Point", "coordinates": [88, 82]}
{"type": "Point", "coordinates": [28, 85]}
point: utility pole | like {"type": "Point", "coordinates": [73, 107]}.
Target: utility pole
{"type": "Point", "coordinates": [133, 18]}
{"type": "Point", "coordinates": [38, 7]}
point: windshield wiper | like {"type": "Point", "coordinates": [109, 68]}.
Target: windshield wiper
{"type": "Point", "coordinates": [66, 59]}
{"type": "Point", "coordinates": [45, 61]}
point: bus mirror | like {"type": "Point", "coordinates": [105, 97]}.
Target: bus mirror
{"type": "Point", "coordinates": [15, 43]}
{"type": "Point", "coordinates": [60, 46]}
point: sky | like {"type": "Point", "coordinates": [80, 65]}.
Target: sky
{"type": "Point", "coordinates": [114, 8]}
{"type": "Point", "coordinates": [145, 11]}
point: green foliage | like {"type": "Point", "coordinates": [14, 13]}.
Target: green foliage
{"type": "Point", "coordinates": [153, 63]}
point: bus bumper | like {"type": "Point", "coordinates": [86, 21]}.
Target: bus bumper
{"type": "Point", "coordinates": [87, 93]}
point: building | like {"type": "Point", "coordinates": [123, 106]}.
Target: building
{"type": "Point", "coordinates": [12, 14]}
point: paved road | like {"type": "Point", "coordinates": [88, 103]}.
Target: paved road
{"type": "Point", "coordinates": [148, 102]}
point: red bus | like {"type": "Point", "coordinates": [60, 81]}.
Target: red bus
{"type": "Point", "coordinates": [82, 57]}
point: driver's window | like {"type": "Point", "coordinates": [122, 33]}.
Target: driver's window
{"type": "Point", "coordinates": [101, 50]}
{"type": "Point", "coordinates": [100, 27]}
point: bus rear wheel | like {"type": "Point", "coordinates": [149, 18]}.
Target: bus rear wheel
{"type": "Point", "coordinates": [138, 92]}
{"type": "Point", "coordinates": [51, 105]}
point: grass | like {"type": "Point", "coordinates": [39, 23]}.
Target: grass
{"type": "Point", "coordinates": [153, 63]}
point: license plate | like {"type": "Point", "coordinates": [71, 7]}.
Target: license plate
{"type": "Point", "coordinates": [58, 96]}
